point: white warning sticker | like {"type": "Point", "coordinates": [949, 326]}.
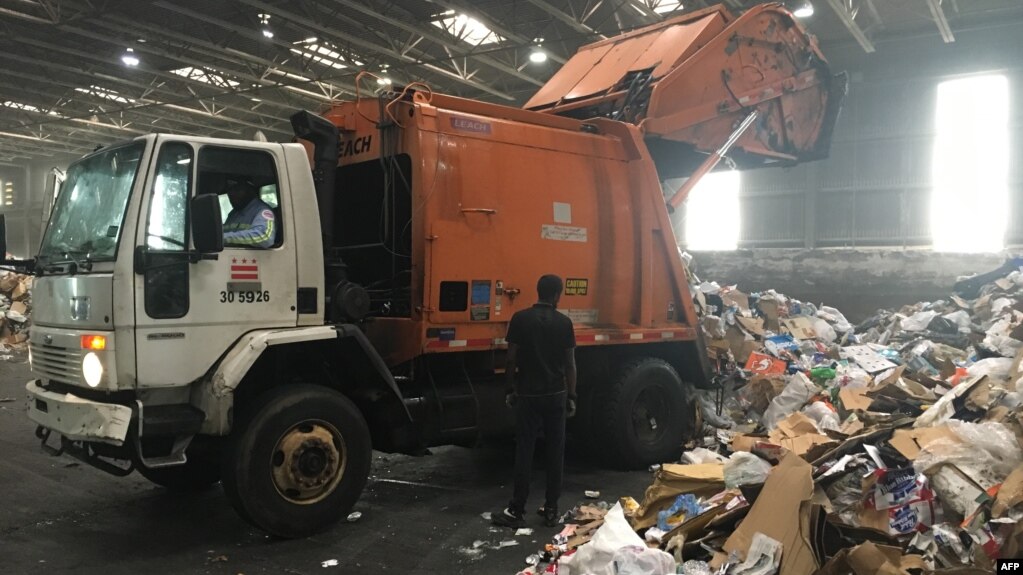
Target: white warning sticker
{"type": "Point", "coordinates": [563, 233]}
{"type": "Point", "coordinates": [583, 316]}
{"type": "Point", "coordinates": [562, 213]}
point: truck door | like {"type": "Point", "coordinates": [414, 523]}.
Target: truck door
{"type": "Point", "coordinates": [188, 312]}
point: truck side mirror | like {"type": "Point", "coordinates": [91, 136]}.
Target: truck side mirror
{"type": "Point", "coordinates": [207, 226]}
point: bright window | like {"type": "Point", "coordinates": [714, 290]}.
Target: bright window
{"type": "Point", "coordinates": [467, 29]}
{"type": "Point", "coordinates": [712, 213]}
{"type": "Point", "coordinates": [970, 201]}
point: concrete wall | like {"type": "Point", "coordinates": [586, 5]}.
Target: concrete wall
{"type": "Point", "coordinates": [857, 281]}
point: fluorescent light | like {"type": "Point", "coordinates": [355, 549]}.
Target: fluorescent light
{"type": "Point", "coordinates": [712, 213]}
{"type": "Point", "coordinates": [467, 29]}
{"type": "Point", "coordinates": [804, 11]}
{"type": "Point", "coordinates": [129, 58]}
{"type": "Point", "coordinates": [268, 33]}
{"type": "Point", "coordinates": [970, 198]}
{"type": "Point", "coordinates": [538, 56]}
{"type": "Point", "coordinates": [383, 81]}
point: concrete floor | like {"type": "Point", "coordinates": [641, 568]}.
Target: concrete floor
{"type": "Point", "coordinates": [419, 515]}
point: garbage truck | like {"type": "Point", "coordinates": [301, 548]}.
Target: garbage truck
{"type": "Point", "coordinates": [407, 229]}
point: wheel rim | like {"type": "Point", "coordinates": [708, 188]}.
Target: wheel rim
{"type": "Point", "coordinates": [650, 413]}
{"type": "Point", "coordinates": [308, 462]}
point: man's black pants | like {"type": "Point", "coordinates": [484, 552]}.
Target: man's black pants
{"type": "Point", "coordinates": [533, 415]}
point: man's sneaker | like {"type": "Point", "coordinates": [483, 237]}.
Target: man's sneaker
{"type": "Point", "coordinates": [508, 518]}
{"type": "Point", "coordinates": [549, 514]}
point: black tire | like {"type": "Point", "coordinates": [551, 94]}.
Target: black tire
{"type": "Point", "coordinates": [200, 471]}
{"type": "Point", "coordinates": [645, 414]}
{"type": "Point", "coordinates": [256, 455]}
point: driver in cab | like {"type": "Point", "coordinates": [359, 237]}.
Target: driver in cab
{"type": "Point", "coordinates": [251, 221]}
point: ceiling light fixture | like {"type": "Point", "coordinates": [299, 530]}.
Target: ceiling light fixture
{"type": "Point", "coordinates": [538, 56]}
{"type": "Point", "coordinates": [804, 11]}
{"type": "Point", "coordinates": [383, 80]}
{"type": "Point", "coordinates": [129, 58]}
{"type": "Point", "coordinates": [264, 21]}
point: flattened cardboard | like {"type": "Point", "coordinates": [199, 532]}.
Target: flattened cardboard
{"type": "Point", "coordinates": [910, 441]}
{"type": "Point", "coordinates": [754, 325]}
{"type": "Point", "coordinates": [736, 298]}
{"type": "Point", "coordinates": [798, 327]}
{"type": "Point", "coordinates": [762, 389]}
{"type": "Point", "coordinates": [741, 347]}
{"type": "Point", "coordinates": [783, 513]}
{"type": "Point", "coordinates": [1010, 494]}
{"type": "Point", "coordinates": [796, 424]}
{"type": "Point", "coordinates": [855, 399]}
{"type": "Point", "coordinates": [19, 307]}
{"type": "Point", "coordinates": [672, 480]}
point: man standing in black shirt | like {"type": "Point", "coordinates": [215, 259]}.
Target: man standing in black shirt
{"type": "Point", "coordinates": [541, 346]}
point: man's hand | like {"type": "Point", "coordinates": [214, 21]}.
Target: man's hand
{"type": "Point", "coordinates": [510, 399]}
{"type": "Point", "coordinates": [570, 407]}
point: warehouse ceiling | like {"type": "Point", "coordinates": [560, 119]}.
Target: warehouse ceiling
{"type": "Point", "coordinates": [75, 74]}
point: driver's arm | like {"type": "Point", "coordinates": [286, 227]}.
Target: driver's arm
{"type": "Point", "coordinates": [259, 234]}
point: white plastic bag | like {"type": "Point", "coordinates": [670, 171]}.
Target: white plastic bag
{"type": "Point", "coordinates": [744, 468]}
{"type": "Point", "coordinates": [797, 392]}
{"type": "Point", "coordinates": [918, 321]}
{"type": "Point", "coordinates": [986, 452]}
{"type": "Point", "coordinates": [702, 455]}
{"type": "Point", "coordinates": [823, 416]}
{"type": "Point", "coordinates": [634, 560]}
{"type": "Point", "coordinates": [993, 367]}
{"type": "Point", "coordinates": [852, 376]}
{"type": "Point", "coordinates": [834, 316]}
{"type": "Point", "coordinates": [595, 556]}
{"type": "Point", "coordinates": [960, 318]}
{"type": "Point", "coordinates": [825, 332]}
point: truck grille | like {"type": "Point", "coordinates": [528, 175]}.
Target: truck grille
{"type": "Point", "coordinates": [57, 363]}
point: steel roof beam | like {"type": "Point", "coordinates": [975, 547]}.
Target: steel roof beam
{"type": "Point", "coordinates": [204, 113]}
{"type": "Point", "coordinates": [567, 19]}
{"type": "Point", "coordinates": [941, 21]}
{"type": "Point", "coordinates": [236, 57]}
{"type": "Point", "coordinates": [401, 57]}
{"type": "Point", "coordinates": [441, 40]}
{"type": "Point", "coordinates": [489, 22]}
{"type": "Point", "coordinates": [851, 25]}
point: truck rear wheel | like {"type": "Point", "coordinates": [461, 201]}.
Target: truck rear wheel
{"type": "Point", "coordinates": [298, 461]}
{"type": "Point", "coordinates": [645, 414]}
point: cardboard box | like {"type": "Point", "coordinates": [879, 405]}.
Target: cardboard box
{"type": "Point", "coordinates": [784, 513]}
{"type": "Point", "coordinates": [762, 389]}
{"type": "Point", "coordinates": [855, 399]}
{"type": "Point", "coordinates": [736, 298]}
{"type": "Point", "coordinates": [909, 442]}
{"type": "Point", "coordinates": [741, 347]}
{"type": "Point", "coordinates": [753, 325]}
{"type": "Point", "coordinates": [672, 480]}
{"type": "Point", "coordinates": [798, 327]}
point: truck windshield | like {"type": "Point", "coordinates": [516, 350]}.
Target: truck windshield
{"type": "Point", "coordinates": [86, 220]}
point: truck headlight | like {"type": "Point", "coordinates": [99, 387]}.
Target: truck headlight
{"type": "Point", "coordinates": [92, 369]}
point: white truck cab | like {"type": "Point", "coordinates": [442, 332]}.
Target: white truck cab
{"type": "Point", "coordinates": [146, 322]}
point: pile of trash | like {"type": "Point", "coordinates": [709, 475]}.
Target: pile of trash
{"type": "Point", "coordinates": [891, 446]}
{"type": "Point", "coordinates": [15, 311]}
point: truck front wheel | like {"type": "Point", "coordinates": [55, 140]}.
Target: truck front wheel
{"type": "Point", "coordinates": [646, 414]}
{"type": "Point", "coordinates": [297, 460]}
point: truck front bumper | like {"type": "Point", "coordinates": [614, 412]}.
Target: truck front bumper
{"type": "Point", "coordinates": [76, 418]}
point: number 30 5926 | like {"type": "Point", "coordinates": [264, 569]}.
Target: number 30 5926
{"type": "Point", "coordinates": [244, 296]}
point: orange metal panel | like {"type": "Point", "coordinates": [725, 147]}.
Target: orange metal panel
{"type": "Point", "coordinates": [565, 79]}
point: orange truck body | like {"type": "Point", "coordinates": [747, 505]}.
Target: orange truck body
{"type": "Point", "coordinates": [501, 196]}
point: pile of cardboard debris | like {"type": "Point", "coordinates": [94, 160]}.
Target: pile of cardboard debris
{"type": "Point", "coordinates": [892, 446]}
{"type": "Point", "coordinates": [15, 311]}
